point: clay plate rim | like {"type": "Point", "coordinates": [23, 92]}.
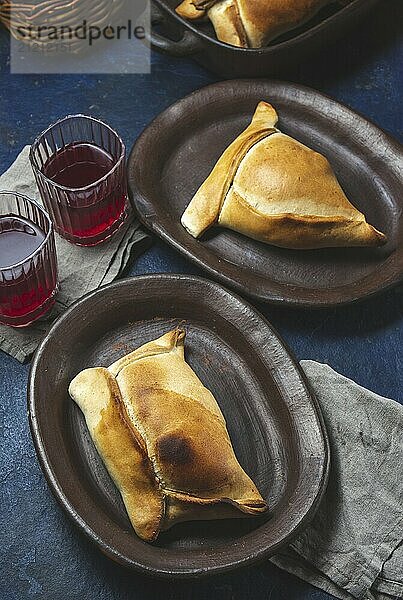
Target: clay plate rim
{"type": "Point", "coordinates": [254, 552]}
{"type": "Point", "coordinates": [273, 292]}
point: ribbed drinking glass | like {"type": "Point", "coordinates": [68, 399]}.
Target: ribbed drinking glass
{"type": "Point", "coordinates": [28, 265]}
{"type": "Point", "coordinates": [79, 165]}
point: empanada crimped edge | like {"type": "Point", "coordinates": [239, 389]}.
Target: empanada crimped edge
{"type": "Point", "coordinates": [151, 469]}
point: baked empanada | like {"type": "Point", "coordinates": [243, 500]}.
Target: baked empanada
{"type": "Point", "coordinates": [272, 188]}
{"type": "Point", "coordinates": [252, 23]}
{"type": "Point", "coordinates": [163, 439]}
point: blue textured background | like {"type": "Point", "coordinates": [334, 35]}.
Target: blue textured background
{"type": "Point", "coordinates": [43, 557]}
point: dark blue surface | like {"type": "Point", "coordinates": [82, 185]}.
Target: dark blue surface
{"type": "Point", "coordinates": [43, 557]}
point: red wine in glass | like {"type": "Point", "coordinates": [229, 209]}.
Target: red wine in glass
{"type": "Point", "coordinates": [19, 237]}
{"type": "Point", "coordinates": [28, 272]}
{"type": "Point", "coordinates": [79, 165]}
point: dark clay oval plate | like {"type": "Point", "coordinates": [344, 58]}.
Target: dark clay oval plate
{"type": "Point", "coordinates": [273, 420]}
{"type": "Point", "coordinates": [178, 149]}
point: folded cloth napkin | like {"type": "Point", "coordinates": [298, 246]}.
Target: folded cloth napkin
{"type": "Point", "coordinates": [353, 548]}
{"type": "Point", "coordinates": [81, 270]}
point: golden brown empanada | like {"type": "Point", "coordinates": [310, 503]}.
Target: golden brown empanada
{"type": "Point", "coordinates": [163, 439]}
{"type": "Point", "coordinates": [272, 188]}
{"type": "Point", "coordinates": [252, 23]}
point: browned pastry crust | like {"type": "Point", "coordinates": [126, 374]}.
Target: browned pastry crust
{"type": "Point", "coordinates": [252, 23]}
{"type": "Point", "coordinates": [271, 187]}
{"type": "Point", "coordinates": [163, 439]}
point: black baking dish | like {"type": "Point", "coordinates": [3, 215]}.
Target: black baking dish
{"type": "Point", "coordinates": [176, 36]}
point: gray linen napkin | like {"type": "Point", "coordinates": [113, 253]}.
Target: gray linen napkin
{"type": "Point", "coordinates": [354, 546]}
{"type": "Point", "coordinates": [81, 270]}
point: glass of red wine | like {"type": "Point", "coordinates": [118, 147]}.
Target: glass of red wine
{"type": "Point", "coordinates": [79, 166]}
{"type": "Point", "coordinates": [28, 266]}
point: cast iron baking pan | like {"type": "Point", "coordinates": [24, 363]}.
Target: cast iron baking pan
{"type": "Point", "coordinates": [179, 148]}
{"type": "Point", "coordinates": [176, 36]}
{"type": "Point", "coordinates": [273, 420]}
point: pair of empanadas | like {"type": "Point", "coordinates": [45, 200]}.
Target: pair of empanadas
{"type": "Point", "coordinates": [272, 188]}
{"type": "Point", "coordinates": [163, 439]}
{"type": "Point", "coordinates": [252, 23]}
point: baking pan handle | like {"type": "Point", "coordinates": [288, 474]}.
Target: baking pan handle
{"type": "Point", "coordinates": [187, 45]}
